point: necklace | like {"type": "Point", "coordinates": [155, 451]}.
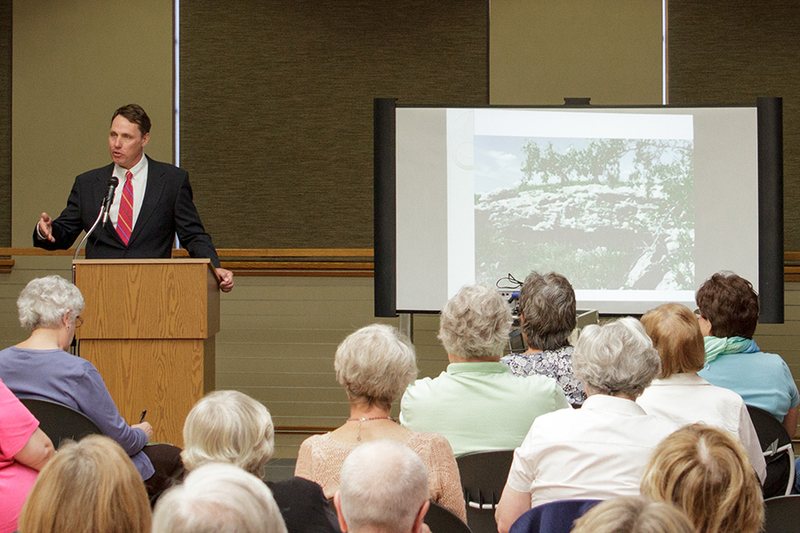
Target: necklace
{"type": "Point", "coordinates": [362, 419]}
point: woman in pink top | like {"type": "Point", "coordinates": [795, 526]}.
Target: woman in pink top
{"type": "Point", "coordinates": [24, 450]}
{"type": "Point", "coordinates": [375, 364]}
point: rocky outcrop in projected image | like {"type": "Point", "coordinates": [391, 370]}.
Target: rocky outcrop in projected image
{"type": "Point", "coordinates": [606, 213]}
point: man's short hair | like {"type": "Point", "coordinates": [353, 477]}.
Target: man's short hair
{"type": "Point", "coordinates": [135, 114]}
{"type": "Point", "coordinates": [218, 497]}
{"type": "Point", "coordinates": [383, 485]}
{"type": "Point", "coordinates": [730, 304]}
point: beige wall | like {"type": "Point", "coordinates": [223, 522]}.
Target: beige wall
{"type": "Point", "coordinates": [543, 51]}
{"type": "Point", "coordinates": [74, 63]}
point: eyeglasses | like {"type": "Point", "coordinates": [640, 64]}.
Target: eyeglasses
{"type": "Point", "coordinates": [78, 321]}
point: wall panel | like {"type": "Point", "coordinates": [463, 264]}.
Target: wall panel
{"type": "Point", "coordinates": [733, 55]}
{"type": "Point", "coordinates": [276, 106]}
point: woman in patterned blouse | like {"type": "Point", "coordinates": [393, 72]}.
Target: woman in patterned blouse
{"type": "Point", "coordinates": [548, 315]}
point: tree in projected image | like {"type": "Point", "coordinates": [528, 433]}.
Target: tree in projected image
{"type": "Point", "coordinates": [606, 213]}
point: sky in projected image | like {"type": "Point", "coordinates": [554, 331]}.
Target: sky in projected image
{"type": "Point", "coordinates": [611, 208]}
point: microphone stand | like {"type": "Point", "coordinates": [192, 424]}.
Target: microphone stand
{"type": "Point", "coordinates": [103, 210]}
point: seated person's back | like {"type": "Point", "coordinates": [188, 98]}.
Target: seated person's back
{"type": "Point", "coordinates": [478, 404]}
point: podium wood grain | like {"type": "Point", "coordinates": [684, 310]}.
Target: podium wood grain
{"type": "Point", "coordinates": [149, 328]}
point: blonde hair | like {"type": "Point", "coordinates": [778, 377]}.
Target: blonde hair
{"type": "Point", "coordinates": [218, 498]}
{"type": "Point", "coordinates": [90, 485]}
{"type": "Point", "coordinates": [633, 514]}
{"type": "Point", "coordinates": [475, 323]}
{"type": "Point", "coordinates": [707, 473]}
{"type": "Point", "coordinates": [677, 337]}
{"type": "Point", "coordinates": [375, 364]}
{"type": "Point", "coordinates": [228, 426]}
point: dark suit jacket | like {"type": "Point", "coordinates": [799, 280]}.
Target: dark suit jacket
{"type": "Point", "coordinates": [167, 208]}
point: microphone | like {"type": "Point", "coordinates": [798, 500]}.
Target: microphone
{"type": "Point", "coordinates": [113, 182]}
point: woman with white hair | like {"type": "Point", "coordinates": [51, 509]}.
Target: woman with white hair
{"type": "Point", "coordinates": [228, 426]}
{"type": "Point", "coordinates": [600, 450]}
{"type": "Point", "coordinates": [40, 367]}
{"type": "Point", "coordinates": [375, 365]}
{"type": "Point", "coordinates": [218, 497]}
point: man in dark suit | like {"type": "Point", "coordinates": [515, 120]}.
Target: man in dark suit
{"type": "Point", "coordinates": [152, 203]}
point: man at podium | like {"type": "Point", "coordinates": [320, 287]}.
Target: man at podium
{"type": "Point", "coordinates": [152, 204]}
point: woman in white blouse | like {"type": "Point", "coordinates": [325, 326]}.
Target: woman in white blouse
{"type": "Point", "coordinates": [680, 394]}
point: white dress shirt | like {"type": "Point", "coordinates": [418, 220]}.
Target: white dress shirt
{"type": "Point", "coordinates": [687, 398]}
{"type": "Point", "coordinates": [596, 452]}
{"type": "Point", "coordinates": [139, 179]}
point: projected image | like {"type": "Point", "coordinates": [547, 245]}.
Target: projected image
{"type": "Point", "coordinates": [608, 213]}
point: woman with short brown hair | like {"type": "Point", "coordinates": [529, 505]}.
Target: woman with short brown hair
{"type": "Point", "coordinates": [728, 308]}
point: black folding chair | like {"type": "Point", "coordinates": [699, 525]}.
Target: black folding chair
{"type": "Point", "coordinates": [783, 514]}
{"type": "Point", "coordinates": [483, 476]}
{"type": "Point", "coordinates": [777, 447]}
{"type": "Point", "coordinates": [59, 422]}
{"type": "Point", "coordinates": [443, 520]}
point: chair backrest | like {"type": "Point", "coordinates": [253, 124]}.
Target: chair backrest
{"type": "Point", "coordinates": [777, 447]}
{"type": "Point", "coordinates": [553, 517]}
{"type": "Point", "coordinates": [59, 422]}
{"type": "Point", "coordinates": [783, 514]}
{"type": "Point", "coordinates": [442, 520]}
{"type": "Point", "coordinates": [483, 476]}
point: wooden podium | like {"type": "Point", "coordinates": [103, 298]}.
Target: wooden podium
{"type": "Point", "coordinates": [149, 327]}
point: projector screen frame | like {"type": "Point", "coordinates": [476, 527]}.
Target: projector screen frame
{"type": "Point", "coordinates": [770, 199]}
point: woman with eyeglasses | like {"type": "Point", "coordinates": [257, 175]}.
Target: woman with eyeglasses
{"type": "Point", "coordinates": [40, 367]}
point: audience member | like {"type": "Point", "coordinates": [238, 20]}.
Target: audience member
{"type": "Point", "coordinates": [633, 514]}
{"type": "Point", "coordinates": [548, 315]}
{"type": "Point", "coordinates": [375, 365]}
{"type": "Point", "coordinates": [383, 489]}
{"type": "Point", "coordinates": [40, 367]}
{"type": "Point", "coordinates": [477, 403]}
{"type": "Point", "coordinates": [24, 450]}
{"type": "Point", "coordinates": [600, 450]}
{"type": "Point", "coordinates": [231, 427]}
{"type": "Point", "coordinates": [707, 473]}
{"type": "Point", "coordinates": [684, 397]}
{"type": "Point", "coordinates": [728, 319]}
{"type": "Point", "coordinates": [90, 485]}
{"type": "Point", "coordinates": [218, 498]}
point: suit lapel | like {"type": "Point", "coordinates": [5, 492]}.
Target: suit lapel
{"type": "Point", "coordinates": [152, 194]}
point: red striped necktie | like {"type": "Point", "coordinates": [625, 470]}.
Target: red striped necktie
{"type": "Point", "coordinates": [125, 219]}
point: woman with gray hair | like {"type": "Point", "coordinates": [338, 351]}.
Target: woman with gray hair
{"type": "Point", "coordinates": [228, 426]}
{"type": "Point", "coordinates": [375, 365]}
{"type": "Point", "coordinates": [600, 450]}
{"type": "Point", "coordinates": [477, 404]}
{"type": "Point", "coordinates": [548, 314]}
{"type": "Point", "coordinates": [40, 367]}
